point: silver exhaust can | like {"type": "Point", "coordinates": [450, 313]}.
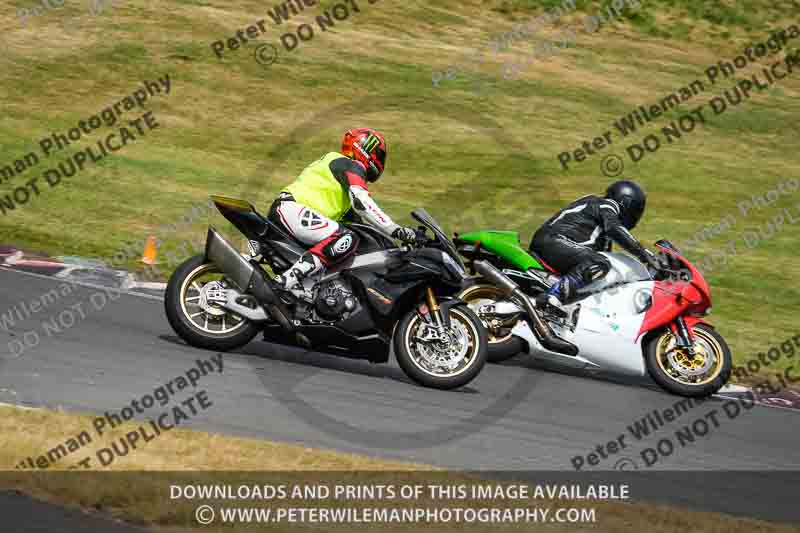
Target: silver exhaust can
{"type": "Point", "coordinates": [246, 277]}
{"type": "Point", "coordinates": [228, 259]}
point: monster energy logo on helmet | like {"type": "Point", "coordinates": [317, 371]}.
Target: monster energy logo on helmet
{"type": "Point", "coordinates": [370, 143]}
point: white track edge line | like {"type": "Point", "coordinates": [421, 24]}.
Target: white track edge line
{"type": "Point", "coordinates": [82, 283]}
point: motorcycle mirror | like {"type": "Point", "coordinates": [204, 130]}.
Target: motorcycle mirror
{"type": "Point", "coordinates": [664, 243]}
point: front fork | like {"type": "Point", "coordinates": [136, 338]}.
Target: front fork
{"type": "Point", "coordinates": [684, 335]}
{"type": "Point", "coordinates": [433, 307]}
{"type": "Point", "coordinates": [438, 315]}
{"type": "Point", "coordinates": [433, 318]}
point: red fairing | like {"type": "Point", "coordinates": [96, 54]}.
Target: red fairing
{"type": "Point", "coordinates": [665, 306]}
{"type": "Point", "coordinates": [673, 299]}
{"type": "Point", "coordinates": [700, 291]}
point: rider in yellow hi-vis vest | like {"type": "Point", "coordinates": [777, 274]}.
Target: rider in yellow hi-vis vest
{"type": "Point", "coordinates": [310, 207]}
{"type": "Point", "coordinates": [317, 188]}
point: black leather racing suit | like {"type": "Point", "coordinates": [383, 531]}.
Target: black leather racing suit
{"type": "Point", "coordinates": [570, 242]}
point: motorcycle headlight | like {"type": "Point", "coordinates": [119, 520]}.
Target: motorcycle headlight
{"type": "Point", "coordinates": [642, 301]}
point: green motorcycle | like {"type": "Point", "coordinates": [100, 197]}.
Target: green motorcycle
{"type": "Point", "coordinates": [503, 250]}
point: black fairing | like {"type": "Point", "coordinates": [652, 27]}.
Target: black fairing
{"type": "Point", "coordinates": [370, 239]}
{"type": "Point", "coordinates": [373, 347]}
{"type": "Point", "coordinates": [392, 292]}
{"type": "Point", "coordinates": [281, 249]}
{"type": "Point", "coordinates": [424, 264]}
{"type": "Point", "coordinates": [282, 254]}
{"type": "Point", "coordinates": [359, 322]}
{"type": "Point", "coordinates": [244, 216]}
{"type": "Point", "coordinates": [381, 294]}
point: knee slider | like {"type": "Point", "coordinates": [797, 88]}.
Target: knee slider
{"type": "Point", "coordinates": [594, 271]}
{"type": "Point", "coordinates": [341, 246]}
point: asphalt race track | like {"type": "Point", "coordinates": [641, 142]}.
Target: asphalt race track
{"type": "Point", "coordinates": [512, 417]}
{"type": "Point", "coordinates": [19, 511]}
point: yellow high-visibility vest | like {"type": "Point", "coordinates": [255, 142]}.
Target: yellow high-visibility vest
{"type": "Point", "coordinates": [316, 187]}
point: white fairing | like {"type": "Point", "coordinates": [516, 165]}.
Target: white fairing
{"type": "Point", "coordinates": [608, 321]}
{"type": "Point", "coordinates": [624, 269]}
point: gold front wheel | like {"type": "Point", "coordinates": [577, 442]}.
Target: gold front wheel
{"type": "Point", "coordinates": [697, 374]}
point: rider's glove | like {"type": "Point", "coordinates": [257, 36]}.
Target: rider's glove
{"type": "Point", "coordinates": [407, 235]}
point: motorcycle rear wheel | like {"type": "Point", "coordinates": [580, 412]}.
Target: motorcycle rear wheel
{"type": "Point", "coordinates": [194, 319]}
{"type": "Point", "coordinates": [680, 373]}
{"type": "Point", "coordinates": [502, 345]}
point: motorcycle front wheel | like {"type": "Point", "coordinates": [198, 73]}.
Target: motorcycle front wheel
{"type": "Point", "coordinates": [692, 375]}
{"type": "Point", "coordinates": [448, 361]}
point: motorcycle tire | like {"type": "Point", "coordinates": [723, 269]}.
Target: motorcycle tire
{"type": "Point", "coordinates": [186, 328]}
{"type": "Point", "coordinates": [704, 334]}
{"type": "Point", "coordinates": [408, 357]}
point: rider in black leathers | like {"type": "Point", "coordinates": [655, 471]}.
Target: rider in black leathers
{"type": "Point", "coordinates": [570, 241]}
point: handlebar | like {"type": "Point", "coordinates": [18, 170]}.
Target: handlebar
{"type": "Point", "coordinates": [665, 271]}
{"type": "Point", "coordinates": [422, 236]}
{"type": "Point", "coordinates": [420, 240]}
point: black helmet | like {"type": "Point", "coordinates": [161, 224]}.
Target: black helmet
{"type": "Point", "coordinates": [631, 199]}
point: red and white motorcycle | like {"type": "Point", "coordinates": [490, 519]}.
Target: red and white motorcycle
{"type": "Point", "coordinates": [631, 322]}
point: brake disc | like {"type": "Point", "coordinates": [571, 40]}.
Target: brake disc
{"type": "Point", "coordinates": [678, 360]}
{"type": "Point", "coordinates": [213, 292]}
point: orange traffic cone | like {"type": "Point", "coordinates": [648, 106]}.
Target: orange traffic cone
{"type": "Point", "coordinates": [150, 251]}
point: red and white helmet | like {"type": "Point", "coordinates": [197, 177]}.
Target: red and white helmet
{"type": "Point", "coordinates": [367, 146]}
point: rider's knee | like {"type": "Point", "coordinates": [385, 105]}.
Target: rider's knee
{"type": "Point", "coordinates": [342, 246]}
{"type": "Point", "coordinates": [594, 270]}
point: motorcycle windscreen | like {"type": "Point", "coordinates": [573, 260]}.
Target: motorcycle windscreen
{"type": "Point", "coordinates": [424, 218]}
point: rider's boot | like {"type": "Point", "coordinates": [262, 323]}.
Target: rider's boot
{"type": "Point", "coordinates": [554, 297]}
{"type": "Point", "coordinates": [291, 281]}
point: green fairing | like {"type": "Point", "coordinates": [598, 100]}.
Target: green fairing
{"type": "Point", "coordinates": [506, 245]}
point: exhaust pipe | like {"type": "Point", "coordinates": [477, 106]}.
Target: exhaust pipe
{"type": "Point", "coordinates": [544, 334]}
{"type": "Point", "coordinates": [246, 277]}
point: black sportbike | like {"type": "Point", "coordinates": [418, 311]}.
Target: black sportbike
{"type": "Point", "coordinates": [222, 299]}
